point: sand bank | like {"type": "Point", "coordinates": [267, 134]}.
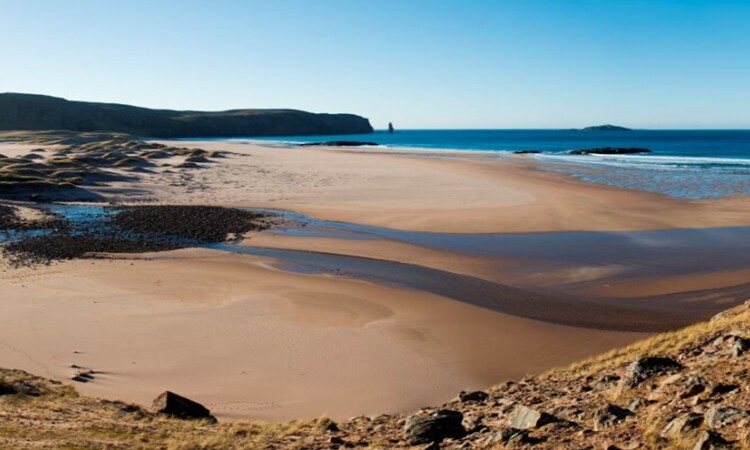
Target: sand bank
{"type": "Point", "coordinates": [251, 341]}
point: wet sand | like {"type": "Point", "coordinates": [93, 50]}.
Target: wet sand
{"type": "Point", "coordinates": [252, 340]}
{"type": "Point", "coordinates": [248, 340]}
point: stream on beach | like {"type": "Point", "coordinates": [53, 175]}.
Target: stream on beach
{"type": "Point", "coordinates": [635, 254]}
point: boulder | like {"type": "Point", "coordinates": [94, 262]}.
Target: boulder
{"type": "Point", "coordinates": [608, 415]}
{"type": "Point", "coordinates": [682, 425]}
{"type": "Point", "coordinates": [7, 389]}
{"type": "Point", "coordinates": [474, 396]}
{"type": "Point", "coordinates": [178, 406]}
{"type": "Point", "coordinates": [740, 346]}
{"type": "Point", "coordinates": [508, 437]}
{"type": "Point", "coordinates": [20, 388]}
{"type": "Point", "coordinates": [645, 368]}
{"type": "Point", "coordinates": [524, 418]}
{"type": "Point", "coordinates": [433, 427]}
{"type": "Point", "coordinates": [718, 416]}
{"type": "Point", "coordinates": [709, 440]}
{"type": "Point", "coordinates": [637, 403]}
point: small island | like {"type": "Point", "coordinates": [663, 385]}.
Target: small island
{"type": "Point", "coordinates": [606, 128]}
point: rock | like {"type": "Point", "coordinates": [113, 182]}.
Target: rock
{"type": "Point", "coordinates": [83, 376]}
{"type": "Point", "coordinates": [178, 406]}
{"type": "Point", "coordinates": [335, 440]}
{"type": "Point", "coordinates": [637, 403]}
{"type": "Point", "coordinates": [740, 346]}
{"type": "Point", "coordinates": [729, 343]}
{"type": "Point", "coordinates": [7, 389]}
{"type": "Point", "coordinates": [526, 152]}
{"type": "Point", "coordinates": [19, 387]}
{"type": "Point", "coordinates": [709, 440]}
{"type": "Point", "coordinates": [672, 379]}
{"type": "Point", "coordinates": [197, 159]}
{"type": "Point", "coordinates": [524, 418]}
{"type": "Point", "coordinates": [339, 144]}
{"type": "Point", "coordinates": [609, 378]}
{"type": "Point", "coordinates": [645, 368]}
{"type": "Point", "coordinates": [718, 416]}
{"type": "Point", "coordinates": [682, 425]}
{"type": "Point", "coordinates": [508, 437]}
{"type": "Point", "coordinates": [327, 424]}
{"type": "Point", "coordinates": [722, 388]}
{"type": "Point", "coordinates": [608, 415]}
{"type": "Point", "coordinates": [427, 428]}
{"type": "Point", "coordinates": [696, 386]}
{"type": "Point", "coordinates": [609, 151]}
{"type": "Point", "coordinates": [475, 396]}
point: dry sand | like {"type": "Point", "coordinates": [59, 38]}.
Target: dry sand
{"type": "Point", "coordinates": [250, 340]}
{"type": "Point", "coordinates": [434, 191]}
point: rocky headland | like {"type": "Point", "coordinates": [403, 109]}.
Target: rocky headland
{"type": "Point", "coordinates": [40, 112]}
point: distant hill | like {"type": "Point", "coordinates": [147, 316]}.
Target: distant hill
{"type": "Point", "coordinates": [41, 112]}
{"type": "Point", "coordinates": [606, 128]}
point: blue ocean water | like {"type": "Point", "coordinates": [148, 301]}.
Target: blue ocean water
{"type": "Point", "coordinates": [692, 164]}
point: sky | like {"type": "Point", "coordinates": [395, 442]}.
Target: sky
{"type": "Point", "coordinates": [416, 63]}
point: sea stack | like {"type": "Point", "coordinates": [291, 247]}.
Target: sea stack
{"type": "Point", "coordinates": [390, 127]}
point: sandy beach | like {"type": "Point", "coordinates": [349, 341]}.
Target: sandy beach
{"type": "Point", "coordinates": [250, 338]}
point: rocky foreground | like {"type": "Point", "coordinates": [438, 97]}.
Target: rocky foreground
{"type": "Point", "coordinates": [685, 389]}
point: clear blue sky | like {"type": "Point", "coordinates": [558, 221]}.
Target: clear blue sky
{"type": "Point", "coordinates": [420, 64]}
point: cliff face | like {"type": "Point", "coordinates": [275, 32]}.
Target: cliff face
{"type": "Point", "coordinates": [39, 112]}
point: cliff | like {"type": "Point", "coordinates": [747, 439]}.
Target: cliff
{"type": "Point", "coordinates": [40, 112]}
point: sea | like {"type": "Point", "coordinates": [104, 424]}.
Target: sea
{"type": "Point", "coordinates": [691, 164]}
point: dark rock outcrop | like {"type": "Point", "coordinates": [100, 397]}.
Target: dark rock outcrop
{"type": "Point", "coordinates": [41, 112]}
{"type": "Point", "coordinates": [427, 428]}
{"type": "Point", "coordinates": [645, 368]}
{"type": "Point", "coordinates": [609, 415]}
{"type": "Point", "coordinates": [610, 151]}
{"type": "Point", "coordinates": [178, 406]}
{"type": "Point", "coordinates": [338, 144]}
{"type": "Point", "coordinates": [473, 396]}
{"type": "Point", "coordinates": [719, 415]}
{"type": "Point", "coordinates": [709, 440]}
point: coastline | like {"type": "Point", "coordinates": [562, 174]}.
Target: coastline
{"type": "Point", "coordinates": [248, 312]}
